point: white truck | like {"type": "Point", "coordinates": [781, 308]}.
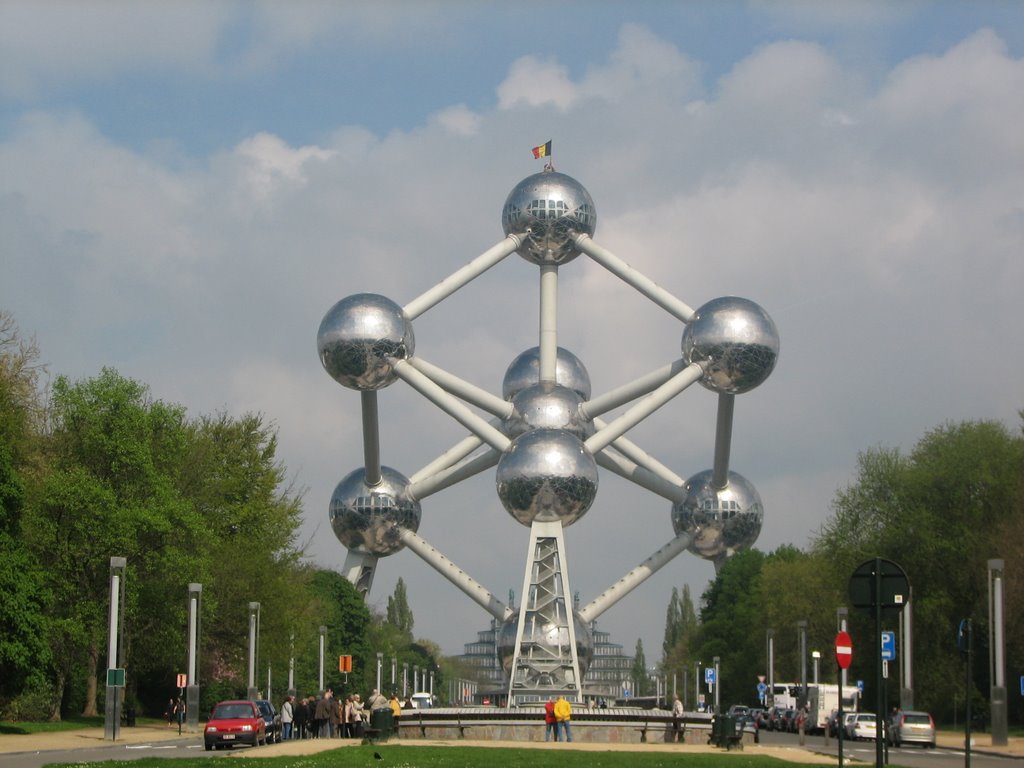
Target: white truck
{"type": "Point", "coordinates": [821, 701]}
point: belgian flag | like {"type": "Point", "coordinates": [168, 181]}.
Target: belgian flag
{"type": "Point", "coordinates": [544, 150]}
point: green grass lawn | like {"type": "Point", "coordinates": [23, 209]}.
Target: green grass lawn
{"type": "Point", "coordinates": [402, 756]}
{"type": "Point", "coordinates": [68, 724]}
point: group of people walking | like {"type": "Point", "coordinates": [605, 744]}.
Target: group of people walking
{"type": "Point", "coordinates": [327, 716]}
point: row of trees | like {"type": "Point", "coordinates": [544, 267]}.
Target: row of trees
{"type": "Point", "coordinates": [97, 468]}
{"type": "Point", "coordinates": [941, 512]}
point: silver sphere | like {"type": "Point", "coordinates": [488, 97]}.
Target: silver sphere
{"type": "Point", "coordinates": [720, 521]}
{"type": "Point", "coordinates": [524, 371]}
{"type": "Point", "coordinates": [548, 406]}
{"type": "Point", "coordinates": [367, 519]}
{"type": "Point", "coordinates": [549, 639]}
{"type": "Point", "coordinates": [358, 338]}
{"type": "Point", "coordinates": [547, 475]}
{"type": "Point", "coordinates": [737, 339]}
{"type": "Point", "coordinates": [550, 209]}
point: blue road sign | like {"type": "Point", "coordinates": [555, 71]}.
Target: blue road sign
{"type": "Point", "coordinates": [709, 675]}
{"type": "Point", "coordinates": [762, 689]}
{"type": "Point", "coordinates": [860, 686]}
{"type": "Point", "coordinates": [888, 646]}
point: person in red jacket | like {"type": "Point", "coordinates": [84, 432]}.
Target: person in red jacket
{"type": "Point", "coordinates": [549, 719]}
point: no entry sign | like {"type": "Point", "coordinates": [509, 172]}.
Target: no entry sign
{"type": "Point", "coordinates": [844, 650]}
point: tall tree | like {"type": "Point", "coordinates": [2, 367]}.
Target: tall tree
{"type": "Point", "coordinates": [111, 492]}
{"type": "Point", "coordinates": [399, 613]}
{"type": "Point", "coordinates": [639, 671]}
{"type": "Point", "coordinates": [23, 650]}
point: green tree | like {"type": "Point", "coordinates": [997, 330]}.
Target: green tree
{"type": "Point", "coordinates": [639, 671]}
{"type": "Point", "coordinates": [23, 650]}
{"type": "Point", "coordinates": [399, 613]}
{"type": "Point", "coordinates": [940, 513]}
{"type": "Point", "coordinates": [111, 491]}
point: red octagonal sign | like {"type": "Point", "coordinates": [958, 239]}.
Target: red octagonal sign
{"type": "Point", "coordinates": [844, 650]}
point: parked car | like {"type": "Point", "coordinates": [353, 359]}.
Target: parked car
{"type": "Point", "coordinates": [775, 719]}
{"type": "Point", "coordinates": [847, 725]}
{"type": "Point", "coordinates": [864, 726]}
{"type": "Point", "coordinates": [272, 719]}
{"type": "Point", "coordinates": [912, 728]}
{"type": "Point", "coordinates": [738, 710]}
{"type": "Point", "coordinates": [234, 722]}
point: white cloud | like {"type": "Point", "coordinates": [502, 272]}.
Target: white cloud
{"type": "Point", "coordinates": [880, 228]}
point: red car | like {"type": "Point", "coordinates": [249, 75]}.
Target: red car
{"type": "Point", "coordinates": [235, 722]}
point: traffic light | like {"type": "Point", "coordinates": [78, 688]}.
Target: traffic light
{"type": "Point", "coordinates": [344, 663]}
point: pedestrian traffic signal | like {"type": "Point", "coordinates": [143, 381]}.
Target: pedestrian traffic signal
{"type": "Point", "coordinates": [344, 663]}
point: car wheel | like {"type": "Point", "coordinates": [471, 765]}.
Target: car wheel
{"type": "Point", "coordinates": [209, 746]}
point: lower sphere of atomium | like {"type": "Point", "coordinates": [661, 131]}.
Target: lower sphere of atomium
{"type": "Point", "coordinates": [548, 638]}
{"type": "Point", "coordinates": [736, 339]}
{"type": "Point", "coordinates": [547, 406]}
{"type": "Point", "coordinates": [721, 521]}
{"type": "Point", "coordinates": [368, 519]}
{"type": "Point", "coordinates": [550, 209]}
{"type": "Point", "coordinates": [524, 371]}
{"type": "Point", "coordinates": [547, 475]}
{"type": "Point", "coordinates": [360, 336]}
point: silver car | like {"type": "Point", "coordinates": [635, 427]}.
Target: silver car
{"type": "Point", "coordinates": [912, 728]}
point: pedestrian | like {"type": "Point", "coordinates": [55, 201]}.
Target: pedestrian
{"type": "Point", "coordinates": [550, 724]}
{"type": "Point", "coordinates": [321, 715]}
{"type": "Point", "coordinates": [396, 710]}
{"type": "Point", "coordinates": [179, 712]}
{"type": "Point", "coordinates": [169, 712]}
{"type": "Point", "coordinates": [678, 734]}
{"type": "Point", "coordinates": [301, 716]}
{"type": "Point", "coordinates": [563, 716]}
{"type": "Point", "coordinates": [358, 716]}
{"type": "Point", "coordinates": [287, 717]}
{"type": "Point", "coordinates": [376, 701]}
{"type": "Point", "coordinates": [338, 717]}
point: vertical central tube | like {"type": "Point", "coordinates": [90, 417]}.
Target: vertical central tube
{"type": "Point", "coordinates": [723, 441]}
{"type": "Point", "coordinates": [371, 439]}
{"type": "Point", "coordinates": [548, 321]}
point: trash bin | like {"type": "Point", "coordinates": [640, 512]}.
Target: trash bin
{"type": "Point", "coordinates": [382, 724]}
{"type": "Point", "coordinates": [724, 731]}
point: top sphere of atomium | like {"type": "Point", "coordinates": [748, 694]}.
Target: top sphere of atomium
{"type": "Point", "coordinates": [736, 339]}
{"type": "Point", "coordinates": [549, 209]}
{"type": "Point", "coordinates": [360, 336]}
{"type": "Point", "coordinates": [369, 518]}
{"type": "Point", "coordinates": [720, 520]}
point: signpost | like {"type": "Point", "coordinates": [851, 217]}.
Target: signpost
{"type": "Point", "coordinates": [880, 586]}
{"type": "Point", "coordinates": [844, 655]}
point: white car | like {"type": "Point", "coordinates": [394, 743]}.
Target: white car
{"type": "Point", "coordinates": [864, 726]}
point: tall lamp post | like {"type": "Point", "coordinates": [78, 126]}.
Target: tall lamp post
{"type": "Point", "coordinates": [997, 664]}
{"type": "Point", "coordinates": [254, 632]}
{"type": "Point", "coordinates": [195, 604]}
{"type": "Point", "coordinates": [323, 643]}
{"type": "Point", "coordinates": [801, 627]}
{"type": "Point", "coordinates": [718, 685]}
{"type": "Point", "coordinates": [115, 672]}
{"type": "Point", "coordinates": [816, 658]}
{"type": "Point", "coordinates": [380, 662]}
{"type": "Point", "coordinates": [771, 668]}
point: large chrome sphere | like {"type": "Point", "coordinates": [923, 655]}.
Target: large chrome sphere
{"type": "Point", "coordinates": [524, 371]}
{"type": "Point", "coordinates": [720, 521]}
{"type": "Point", "coordinates": [737, 339]}
{"type": "Point", "coordinates": [549, 638]}
{"type": "Point", "coordinates": [358, 338]}
{"type": "Point", "coordinates": [550, 209]}
{"type": "Point", "coordinates": [367, 519]}
{"type": "Point", "coordinates": [547, 406]}
{"type": "Point", "coordinates": [547, 475]}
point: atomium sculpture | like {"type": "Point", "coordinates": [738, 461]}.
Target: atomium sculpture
{"type": "Point", "coordinates": [545, 436]}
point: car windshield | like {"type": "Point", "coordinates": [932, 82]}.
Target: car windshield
{"type": "Point", "coordinates": [232, 711]}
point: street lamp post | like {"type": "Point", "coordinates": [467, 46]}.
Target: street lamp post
{"type": "Point", "coordinates": [816, 658]}
{"type": "Point", "coordinates": [195, 603]}
{"type": "Point", "coordinates": [115, 673]}
{"type": "Point", "coordinates": [770, 701]}
{"type": "Point", "coordinates": [718, 685]}
{"type": "Point", "coordinates": [997, 664]}
{"type": "Point", "coordinates": [801, 627]}
{"type": "Point", "coordinates": [254, 621]}
{"type": "Point", "coordinates": [394, 668]}
{"type": "Point", "coordinates": [405, 679]}
{"type": "Point", "coordinates": [323, 642]}
{"type": "Point", "coordinates": [841, 614]}
{"type": "Point", "coordinates": [380, 661]}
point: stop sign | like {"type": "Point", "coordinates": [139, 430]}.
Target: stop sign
{"type": "Point", "coordinates": [844, 650]}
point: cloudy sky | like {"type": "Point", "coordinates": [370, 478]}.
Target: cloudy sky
{"type": "Point", "coordinates": [187, 188]}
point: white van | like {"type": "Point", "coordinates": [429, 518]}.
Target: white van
{"type": "Point", "coordinates": [422, 701]}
